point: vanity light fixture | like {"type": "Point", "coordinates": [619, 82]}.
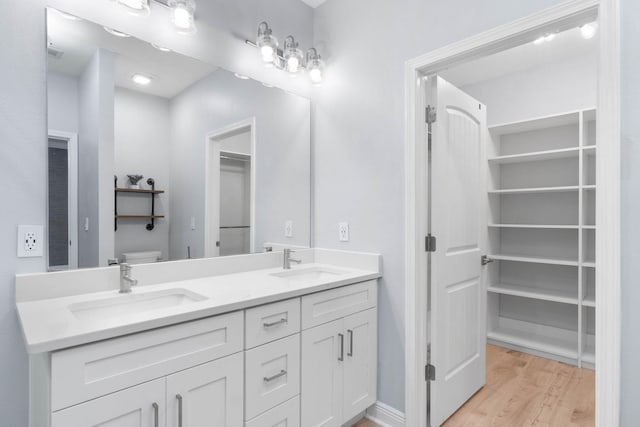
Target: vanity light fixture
{"type": "Point", "coordinates": [182, 16]}
{"type": "Point", "coordinates": [116, 32]}
{"type": "Point", "coordinates": [267, 44]}
{"type": "Point", "coordinates": [141, 79]}
{"type": "Point", "coordinates": [589, 30]}
{"type": "Point", "coordinates": [291, 59]}
{"type": "Point", "coordinates": [135, 7]}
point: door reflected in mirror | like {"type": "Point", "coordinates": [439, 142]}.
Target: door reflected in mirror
{"type": "Point", "coordinates": [157, 156]}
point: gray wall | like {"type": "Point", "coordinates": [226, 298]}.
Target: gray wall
{"type": "Point", "coordinates": [95, 161]}
{"type": "Point", "coordinates": [630, 212]}
{"type": "Point", "coordinates": [62, 100]}
{"type": "Point", "coordinates": [142, 147]}
{"type": "Point", "coordinates": [359, 113]}
{"type": "Point", "coordinates": [281, 163]}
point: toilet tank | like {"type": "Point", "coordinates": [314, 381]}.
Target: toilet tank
{"type": "Point", "coordinates": [141, 257]}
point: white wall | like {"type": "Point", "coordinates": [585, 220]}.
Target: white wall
{"type": "Point", "coordinates": [62, 101]}
{"type": "Point", "coordinates": [548, 89]}
{"type": "Point", "coordinates": [141, 147]}
{"type": "Point", "coordinates": [281, 159]}
{"type": "Point", "coordinates": [359, 114]}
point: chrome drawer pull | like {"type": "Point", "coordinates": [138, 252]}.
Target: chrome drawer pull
{"type": "Point", "coordinates": [276, 376]}
{"type": "Point", "coordinates": [179, 398]}
{"type": "Point", "coordinates": [341, 357]}
{"type": "Point", "coordinates": [155, 414]}
{"type": "Point", "coordinates": [350, 352]}
{"type": "Point", "coordinates": [276, 323]}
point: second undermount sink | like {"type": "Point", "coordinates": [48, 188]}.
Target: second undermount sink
{"type": "Point", "coordinates": [310, 274]}
{"type": "Point", "coordinates": [134, 303]}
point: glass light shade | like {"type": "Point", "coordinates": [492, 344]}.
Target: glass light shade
{"type": "Point", "coordinates": [267, 44]}
{"type": "Point", "coordinates": [136, 7]}
{"type": "Point", "coordinates": [182, 16]}
{"type": "Point", "coordinates": [316, 71]}
{"type": "Point", "coordinates": [293, 56]}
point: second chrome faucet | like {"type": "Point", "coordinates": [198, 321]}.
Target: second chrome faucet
{"type": "Point", "coordinates": [286, 263]}
{"type": "Point", "coordinates": [126, 281]}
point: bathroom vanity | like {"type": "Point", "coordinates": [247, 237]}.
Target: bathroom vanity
{"type": "Point", "coordinates": [254, 346]}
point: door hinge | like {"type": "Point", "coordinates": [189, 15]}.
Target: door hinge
{"type": "Point", "coordinates": [430, 115]}
{"type": "Point", "coordinates": [430, 243]}
{"type": "Point", "coordinates": [430, 372]}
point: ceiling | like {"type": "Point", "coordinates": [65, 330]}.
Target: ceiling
{"type": "Point", "coordinates": [565, 45]}
{"type": "Point", "coordinates": [78, 40]}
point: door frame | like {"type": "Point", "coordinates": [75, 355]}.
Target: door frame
{"type": "Point", "coordinates": [608, 303]}
{"type": "Point", "coordinates": [71, 140]}
{"type": "Point", "coordinates": [211, 201]}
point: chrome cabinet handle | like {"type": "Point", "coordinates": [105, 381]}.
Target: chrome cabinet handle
{"type": "Point", "coordinates": [341, 357]}
{"type": "Point", "coordinates": [350, 352]}
{"type": "Point", "coordinates": [179, 399]}
{"type": "Point", "coordinates": [276, 323]}
{"type": "Point", "coordinates": [155, 414]}
{"type": "Point", "coordinates": [282, 373]}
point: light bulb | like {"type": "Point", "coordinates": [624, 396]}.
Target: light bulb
{"type": "Point", "coordinates": [267, 53]}
{"type": "Point", "coordinates": [182, 16]}
{"type": "Point", "coordinates": [293, 64]}
{"type": "Point", "coordinates": [315, 74]}
{"type": "Point", "coordinates": [589, 30]}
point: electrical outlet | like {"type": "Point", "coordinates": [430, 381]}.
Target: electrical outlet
{"type": "Point", "coordinates": [343, 231]}
{"type": "Point", "coordinates": [288, 228]}
{"type": "Point", "coordinates": [30, 241]}
{"type": "Point", "coordinates": [193, 223]}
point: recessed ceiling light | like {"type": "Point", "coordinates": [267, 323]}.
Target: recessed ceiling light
{"type": "Point", "coordinates": [141, 79]}
{"type": "Point", "coordinates": [589, 30]}
{"type": "Point", "coordinates": [161, 48]}
{"type": "Point", "coordinates": [267, 85]}
{"type": "Point", "coordinates": [539, 40]}
{"type": "Point", "coordinates": [116, 32]}
{"type": "Point", "coordinates": [66, 15]}
{"type": "Point", "coordinates": [241, 76]}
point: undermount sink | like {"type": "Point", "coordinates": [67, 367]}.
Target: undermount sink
{"type": "Point", "coordinates": [310, 274]}
{"type": "Point", "coordinates": [133, 303]}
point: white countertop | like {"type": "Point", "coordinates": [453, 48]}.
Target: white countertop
{"type": "Point", "coordinates": [49, 325]}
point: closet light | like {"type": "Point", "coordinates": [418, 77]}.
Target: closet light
{"type": "Point", "coordinates": [136, 7]}
{"type": "Point", "coordinates": [315, 67]}
{"type": "Point", "coordinates": [141, 79]}
{"type": "Point", "coordinates": [589, 30]}
{"type": "Point", "coordinates": [292, 56]}
{"type": "Point", "coordinates": [267, 44]}
{"type": "Point", "coordinates": [116, 32]}
{"type": "Point", "coordinates": [182, 16]}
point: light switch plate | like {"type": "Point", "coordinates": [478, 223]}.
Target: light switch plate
{"type": "Point", "coordinates": [343, 231]}
{"type": "Point", "coordinates": [288, 228]}
{"type": "Point", "coordinates": [30, 241]}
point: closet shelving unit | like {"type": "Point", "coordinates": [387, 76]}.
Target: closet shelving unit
{"type": "Point", "coordinates": [542, 189]}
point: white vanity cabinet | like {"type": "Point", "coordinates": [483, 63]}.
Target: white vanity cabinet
{"type": "Point", "coordinates": [304, 361]}
{"type": "Point", "coordinates": [339, 354]}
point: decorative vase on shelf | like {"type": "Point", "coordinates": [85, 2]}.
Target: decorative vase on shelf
{"type": "Point", "coordinates": [133, 181]}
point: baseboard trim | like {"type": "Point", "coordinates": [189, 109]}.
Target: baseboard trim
{"type": "Point", "coordinates": [385, 415]}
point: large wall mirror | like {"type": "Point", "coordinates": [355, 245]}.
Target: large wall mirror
{"type": "Point", "coordinates": [157, 156]}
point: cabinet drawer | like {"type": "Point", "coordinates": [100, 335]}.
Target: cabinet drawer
{"type": "Point", "coordinates": [272, 375]}
{"type": "Point", "coordinates": [271, 322]}
{"type": "Point", "coordinates": [285, 415]}
{"type": "Point", "coordinates": [327, 306]}
{"type": "Point", "coordinates": [83, 373]}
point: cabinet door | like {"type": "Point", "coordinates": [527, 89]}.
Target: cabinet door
{"type": "Point", "coordinates": [208, 395]}
{"type": "Point", "coordinates": [139, 406]}
{"type": "Point", "coordinates": [360, 362]}
{"type": "Point", "coordinates": [322, 376]}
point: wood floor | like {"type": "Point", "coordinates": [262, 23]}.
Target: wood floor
{"type": "Point", "coordinates": [525, 390]}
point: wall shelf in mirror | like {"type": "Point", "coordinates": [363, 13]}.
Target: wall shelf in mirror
{"type": "Point", "coordinates": [152, 192]}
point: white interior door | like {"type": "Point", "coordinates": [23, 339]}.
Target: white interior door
{"type": "Point", "coordinates": [458, 221]}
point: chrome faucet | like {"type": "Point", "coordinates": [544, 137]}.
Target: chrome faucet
{"type": "Point", "coordinates": [286, 264]}
{"type": "Point", "coordinates": [126, 282]}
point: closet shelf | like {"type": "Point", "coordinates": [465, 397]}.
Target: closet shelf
{"type": "Point", "coordinates": [564, 189]}
{"type": "Point", "coordinates": [588, 227]}
{"type": "Point", "coordinates": [535, 260]}
{"type": "Point", "coordinates": [589, 148]}
{"type": "Point", "coordinates": [537, 226]}
{"type": "Point", "coordinates": [548, 343]}
{"type": "Point", "coordinates": [590, 264]}
{"type": "Point", "coordinates": [555, 295]}
{"type": "Point", "coordinates": [589, 187]}
{"type": "Point", "coordinates": [537, 156]}
{"type": "Point", "coordinates": [539, 123]}
{"type": "Point", "coordinates": [589, 301]}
